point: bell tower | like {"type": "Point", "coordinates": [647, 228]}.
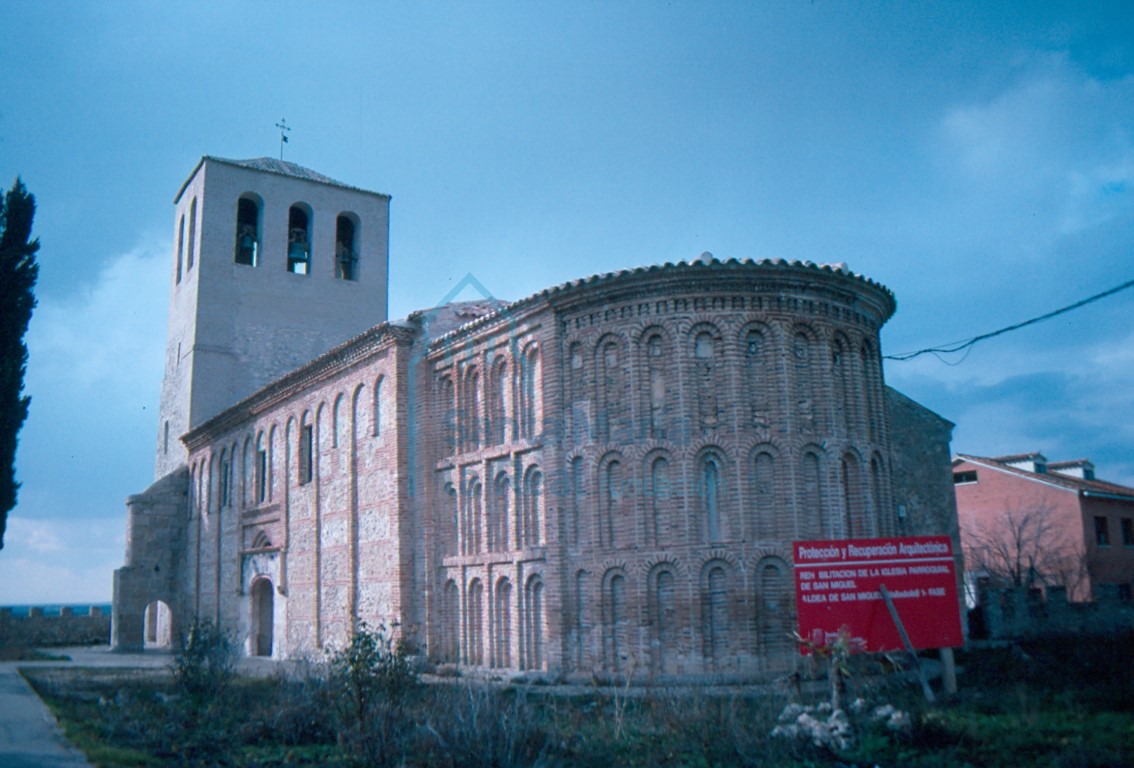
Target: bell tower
{"type": "Point", "coordinates": [273, 265]}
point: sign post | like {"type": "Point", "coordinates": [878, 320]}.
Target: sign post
{"type": "Point", "coordinates": [838, 584]}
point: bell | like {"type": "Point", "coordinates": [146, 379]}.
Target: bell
{"type": "Point", "coordinates": [297, 251]}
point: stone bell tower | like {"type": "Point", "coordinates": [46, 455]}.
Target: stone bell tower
{"type": "Point", "coordinates": [273, 265]}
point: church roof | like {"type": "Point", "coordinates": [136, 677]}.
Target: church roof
{"type": "Point", "coordinates": [278, 167]}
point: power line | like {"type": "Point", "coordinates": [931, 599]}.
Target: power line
{"type": "Point", "coordinates": [967, 344]}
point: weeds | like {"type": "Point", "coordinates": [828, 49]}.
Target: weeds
{"type": "Point", "coordinates": [1060, 707]}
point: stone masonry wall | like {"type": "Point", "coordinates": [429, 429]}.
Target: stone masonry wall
{"type": "Point", "coordinates": [65, 629]}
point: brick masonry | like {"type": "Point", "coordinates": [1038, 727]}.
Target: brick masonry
{"type": "Point", "coordinates": [603, 479]}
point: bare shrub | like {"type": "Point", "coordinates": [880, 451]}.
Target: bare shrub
{"type": "Point", "coordinates": [475, 725]}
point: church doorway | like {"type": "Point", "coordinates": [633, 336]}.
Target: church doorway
{"type": "Point", "coordinates": [262, 617]}
{"type": "Point", "coordinates": [158, 621]}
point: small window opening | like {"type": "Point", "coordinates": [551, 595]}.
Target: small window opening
{"type": "Point", "coordinates": [247, 232]}
{"type": "Point", "coordinates": [346, 257]}
{"type": "Point", "coordinates": [192, 234]}
{"type": "Point", "coordinates": [1102, 532]}
{"type": "Point", "coordinates": [298, 241]}
{"type": "Point", "coordinates": [1128, 531]}
{"type": "Point", "coordinates": [223, 491]}
{"type": "Point", "coordinates": [261, 475]}
{"type": "Point", "coordinates": [961, 478]}
{"type": "Point", "coordinates": [306, 443]}
{"type": "Point", "coordinates": [180, 245]}
{"type": "Point", "coordinates": [703, 347]}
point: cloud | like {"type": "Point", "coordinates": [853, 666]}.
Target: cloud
{"type": "Point", "coordinates": [94, 373]}
{"type": "Point", "coordinates": [59, 561]}
{"type": "Point", "coordinates": [106, 337]}
{"type": "Point", "coordinates": [1048, 155]}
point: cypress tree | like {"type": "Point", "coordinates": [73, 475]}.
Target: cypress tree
{"type": "Point", "coordinates": [18, 273]}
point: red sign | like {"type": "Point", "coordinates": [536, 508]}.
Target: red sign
{"type": "Point", "coordinates": [838, 584]}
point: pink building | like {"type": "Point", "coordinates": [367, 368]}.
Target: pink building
{"type": "Point", "coordinates": [1029, 522]}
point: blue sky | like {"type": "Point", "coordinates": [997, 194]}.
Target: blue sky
{"type": "Point", "coordinates": [977, 158]}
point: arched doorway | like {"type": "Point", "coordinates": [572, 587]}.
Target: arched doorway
{"type": "Point", "coordinates": [158, 621]}
{"type": "Point", "coordinates": [262, 615]}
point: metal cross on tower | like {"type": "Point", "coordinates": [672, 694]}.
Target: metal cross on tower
{"type": "Point", "coordinates": [284, 128]}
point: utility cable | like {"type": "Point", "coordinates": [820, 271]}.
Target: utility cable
{"type": "Point", "coordinates": [967, 344]}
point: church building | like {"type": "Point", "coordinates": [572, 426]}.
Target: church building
{"type": "Point", "coordinates": [604, 478]}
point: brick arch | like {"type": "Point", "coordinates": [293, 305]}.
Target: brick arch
{"type": "Point", "coordinates": [661, 496]}
{"type": "Point", "coordinates": [618, 599]}
{"type": "Point", "coordinates": [774, 609]}
{"type": "Point", "coordinates": [612, 503]}
{"type": "Point", "coordinates": [610, 358]}
{"type": "Point", "coordinates": [719, 585]}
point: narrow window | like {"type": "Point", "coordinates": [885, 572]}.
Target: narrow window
{"type": "Point", "coordinates": [192, 233]}
{"type": "Point", "coordinates": [658, 525]}
{"type": "Point", "coordinates": [1128, 532]}
{"type": "Point", "coordinates": [346, 257]}
{"type": "Point", "coordinates": [180, 245]}
{"type": "Point", "coordinates": [225, 481]}
{"type": "Point", "coordinates": [711, 493]}
{"type": "Point", "coordinates": [261, 472]}
{"type": "Point", "coordinates": [962, 478]}
{"type": "Point", "coordinates": [448, 415]}
{"type": "Point", "coordinates": [247, 232]}
{"type": "Point", "coordinates": [378, 407]}
{"type": "Point", "coordinates": [306, 443]}
{"type": "Point", "coordinates": [655, 385]}
{"type": "Point", "coordinates": [298, 241]}
{"type": "Point", "coordinates": [1102, 532]}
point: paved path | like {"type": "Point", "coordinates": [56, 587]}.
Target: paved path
{"type": "Point", "coordinates": [29, 736]}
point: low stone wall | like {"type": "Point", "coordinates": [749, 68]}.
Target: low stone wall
{"type": "Point", "coordinates": [67, 628]}
{"type": "Point", "coordinates": [1011, 614]}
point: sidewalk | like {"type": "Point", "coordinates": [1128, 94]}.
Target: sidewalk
{"type": "Point", "coordinates": [29, 736]}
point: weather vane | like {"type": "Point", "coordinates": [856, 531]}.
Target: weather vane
{"type": "Point", "coordinates": [284, 128]}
